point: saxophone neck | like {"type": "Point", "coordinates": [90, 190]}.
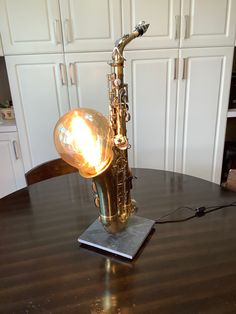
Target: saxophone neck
{"type": "Point", "coordinates": [121, 43]}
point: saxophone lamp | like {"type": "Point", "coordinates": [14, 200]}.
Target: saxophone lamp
{"type": "Point", "coordinates": [98, 148]}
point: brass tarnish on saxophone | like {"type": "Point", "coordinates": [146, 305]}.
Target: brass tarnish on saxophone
{"type": "Point", "coordinates": [112, 187]}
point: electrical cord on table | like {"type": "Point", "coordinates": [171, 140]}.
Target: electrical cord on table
{"type": "Point", "coordinates": [198, 212]}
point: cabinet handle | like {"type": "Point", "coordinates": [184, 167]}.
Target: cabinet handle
{"type": "Point", "coordinates": [177, 26]}
{"type": "Point", "coordinates": [68, 31]}
{"type": "Point", "coordinates": [14, 143]}
{"type": "Point", "coordinates": [62, 74]}
{"type": "Point", "coordinates": [176, 69]}
{"type": "Point", "coordinates": [72, 74]}
{"type": "Point", "coordinates": [185, 69]}
{"type": "Point", "coordinates": [57, 31]}
{"type": "Point", "coordinates": [187, 25]}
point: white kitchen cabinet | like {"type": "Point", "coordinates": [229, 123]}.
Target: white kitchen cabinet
{"type": "Point", "coordinates": [42, 26]}
{"type": "Point", "coordinates": [90, 25]}
{"type": "Point", "coordinates": [88, 86]}
{"type": "Point", "coordinates": [12, 175]}
{"type": "Point", "coordinates": [30, 26]}
{"type": "Point", "coordinates": [208, 23]}
{"type": "Point", "coordinates": [178, 102]}
{"type": "Point", "coordinates": [44, 87]}
{"type": "Point", "coordinates": [179, 108]}
{"type": "Point", "coordinates": [165, 107]}
{"type": "Point", "coordinates": [163, 16]}
{"type": "Point", "coordinates": [204, 82]}
{"type": "Point", "coordinates": [152, 80]}
{"type": "Point", "coordinates": [152, 113]}
{"type": "Point", "coordinates": [144, 71]}
{"type": "Point", "coordinates": [190, 23]}
{"type": "Point", "coordinates": [87, 82]}
{"type": "Point", "coordinates": [54, 26]}
{"type": "Point", "coordinates": [40, 96]}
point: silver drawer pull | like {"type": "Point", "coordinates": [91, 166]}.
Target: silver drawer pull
{"type": "Point", "coordinates": [72, 73]}
{"type": "Point", "coordinates": [15, 148]}
{"type": "Point", "coordinates": [187, 25]}
{"type": "Point", "coordinates": [62, 74]}
{"type": "Point", "coordinates": [176, 69]}
{"type": "Point", "coordinates": [57, 31]}
{"type": "Point", "coordinates": [177, 26]}
{"type": "Point", "coordinates": [68, 31]}
{"type": "Point", "coordinates": [185, 69]}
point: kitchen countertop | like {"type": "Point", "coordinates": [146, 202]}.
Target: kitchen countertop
{"type": "Point", "coordinates": [8, 126]}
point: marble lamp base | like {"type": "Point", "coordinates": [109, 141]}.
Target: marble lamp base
{"type": "Point", "coordinates": [126, 243]}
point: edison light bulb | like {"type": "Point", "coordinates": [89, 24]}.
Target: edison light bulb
{"type": "Point", "coordinates": [84, 139]}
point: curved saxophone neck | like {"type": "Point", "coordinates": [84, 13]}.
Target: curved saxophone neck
{"type": "Point", "coordinates": [121, 43]}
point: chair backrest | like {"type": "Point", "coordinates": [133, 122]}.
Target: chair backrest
{"type": "Point", "coordinates": [47, 170]}
{"type": "Point", "coordinates": [230, 184]}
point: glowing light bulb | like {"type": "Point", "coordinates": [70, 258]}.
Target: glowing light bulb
{"type": "Point", "coordinates": [84, 139]}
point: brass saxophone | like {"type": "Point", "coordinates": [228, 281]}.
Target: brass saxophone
{"type": "Point", "coordinates": [112, 187]}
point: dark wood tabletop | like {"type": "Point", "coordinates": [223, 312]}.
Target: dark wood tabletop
{"type": "Point", "coordinates": [183, 267]}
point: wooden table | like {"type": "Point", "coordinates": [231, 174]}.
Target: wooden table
{"type": "Point", "coordinates": [186, 267]}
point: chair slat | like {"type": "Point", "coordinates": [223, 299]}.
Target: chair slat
{"type": "Point", "coordinates": [47, 170]}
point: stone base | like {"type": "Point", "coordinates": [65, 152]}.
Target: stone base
{"type": "Point", "coordinates": [126, 243]}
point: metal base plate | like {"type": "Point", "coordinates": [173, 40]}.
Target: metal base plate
{"type": "Point", "coordinates": [125, 243]}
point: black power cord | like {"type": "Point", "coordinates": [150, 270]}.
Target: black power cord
{"type": "Point", "coordinates": [198, 212]}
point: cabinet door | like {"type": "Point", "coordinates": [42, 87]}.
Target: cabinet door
{"type": "Point", "coordinates": [12, 172]}
{"type": "Point", "coordinates": [164, 19]}
{"type": "Point", "coordinates": [152, 79]}
{"type": "Point", "coordinates": [30, 26]}
{"type": "Point", "coordinates": [88, 80]}
{"type": "Point", "coordinates": [202, 111]}
{"type": "Point", "coordinates": [208, 23]}
{"type": "Point", "coordinates": [40, 96]}
{"type": "Point", "coordinates": [90, 25]}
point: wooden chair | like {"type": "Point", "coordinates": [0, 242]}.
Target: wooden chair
{"type": "Point", "coordinates": [47, 170]}
{"type": "Point", "coordinates": [230, 183]}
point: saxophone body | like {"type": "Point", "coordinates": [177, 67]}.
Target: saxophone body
{"type": "Point", "coordinates": [112, 187]}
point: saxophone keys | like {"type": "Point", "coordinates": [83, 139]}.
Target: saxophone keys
{"type": "Point", "coordinates": [96, 197]}
{"type": "Point", "coordinates": [117, 82]}
{"type": "Point", "coordinates": [97, 201]}
{"type": "Point", "coordinates": [127, 117]}
{"type": "Point", "coordinates": [94, 188]}
{"type": "Point", "coordinates": [121, 142]}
